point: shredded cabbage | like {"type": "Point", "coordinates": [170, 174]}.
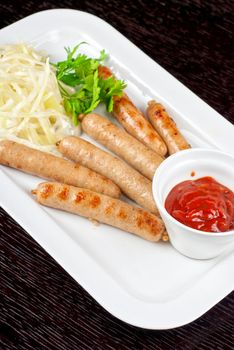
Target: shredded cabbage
{"type": "Point", "coordinates": [31, 106]}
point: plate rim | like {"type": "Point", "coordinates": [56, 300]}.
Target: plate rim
{"type": "Point", "coordinates": [143, 319]}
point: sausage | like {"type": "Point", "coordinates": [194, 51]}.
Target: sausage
{"type": "Point", "coordinates": [104, 72]}
{"type": "Point", "coordinates": [121, 143]}
{"type": "Point", "coordinates": [166, 127]}
{"type": "Point", "coordinates": [133, 121]}
{"type": "Point", "coordinates": [130, 181]}
{"type": "Point", "coordinates": [102, 208]}
{"type": "Point", "coordinates": [48, 166]}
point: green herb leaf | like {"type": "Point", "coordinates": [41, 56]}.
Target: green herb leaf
{"type": "Point", "coordinates": [81, 87]}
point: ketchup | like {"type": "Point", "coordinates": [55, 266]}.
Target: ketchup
{"type": "Point", "coordinates": [203, 204]}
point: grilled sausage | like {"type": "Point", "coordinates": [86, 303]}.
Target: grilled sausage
{"type": "Point", "coordinates": [130, 181]}
{"type": "Point", "coordinates": [166, 127]}
{"type": "Point", "coordinates": [101, 208]}
{"type": "Point", "coordinates": [134, 121]}
{"type": "Point", "coordinates": [121, 143]}
{"type": "Point", "coordinates": [48, 166]}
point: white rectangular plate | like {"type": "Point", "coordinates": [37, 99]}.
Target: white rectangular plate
{"type": "Point", "coordinates": [145, 284]}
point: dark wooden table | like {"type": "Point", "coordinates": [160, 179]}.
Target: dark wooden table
{"type": "Point", "coordinates": [42, 307]}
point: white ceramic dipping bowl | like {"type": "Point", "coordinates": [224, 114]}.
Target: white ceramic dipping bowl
{"type": "Point", "coordinates": [180, 167]}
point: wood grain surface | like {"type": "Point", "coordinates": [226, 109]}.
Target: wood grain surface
{"type": "Point", "coordinates": [41, 306]}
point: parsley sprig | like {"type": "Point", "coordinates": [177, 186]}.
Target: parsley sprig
{"type": "Point", "coordinates": [81, 87]}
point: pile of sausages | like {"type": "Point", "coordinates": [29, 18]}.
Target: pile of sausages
{"type": "Point", "coordinates": [89, 180]}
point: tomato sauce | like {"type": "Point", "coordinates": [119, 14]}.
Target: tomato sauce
{"type": "Point", "coordinates": [203, 204]}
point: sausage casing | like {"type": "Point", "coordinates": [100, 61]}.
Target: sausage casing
{"type": "Point", "coordinates": [121, 143]}
{"type": "Point", "coordinates": [133, 120]}
{"type": "Point", "coordinates": [166, 127]}
{"type": "Point", "coordinates": [48, 166]}
{"type": "Point", "coordinates": [131, 182]}
{"type": "Point", "coordinates": [102, 208]}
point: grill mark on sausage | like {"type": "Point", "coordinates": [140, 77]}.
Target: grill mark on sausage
{"type": "Point", "coordinates": [140, 124]}
{"type": "Point", "coordinates": [95, 201]}
{"type": "Point", "coordinates": [139, 221]}
{"type": "Point", "coordinates": [80, 196]}
{"type": "Point", "coordinates": [109, 209]}
{"type": "Point", "coordinates": [47, 191]}
{"type": "Point", "coordinates": [151, 136]}
{"type": "Point", "coordinates": [122, 214]}
{"type": "Point", "coordinates": [63, 194]}
{"type": "Point", "coordinates": [144, 218]}
{"type": "Point", "coordinates": [158, 114]}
